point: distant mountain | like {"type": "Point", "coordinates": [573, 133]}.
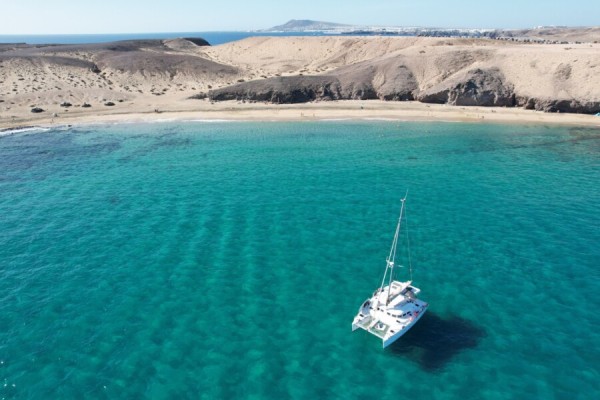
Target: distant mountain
{"type": "Point", "coordinates": [300, 25]}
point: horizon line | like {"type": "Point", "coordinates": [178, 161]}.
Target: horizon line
{"type": "Point", "coordinates": [317, 30]}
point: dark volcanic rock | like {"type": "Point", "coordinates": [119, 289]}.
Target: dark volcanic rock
{"type": "Point", "coordinates": [400, 84]}
{"type": "Point", "coordinates": [65, 104]}
{"type": "Point", "coordinates": [527, 103]}
{"type": "Point", "coordinates": [387, 80]}
{"type": "Point", "coordinates": [86, 105]}
{"type": "Point", "coordinates": [476, 87]}
{"type": "Point", "coordinates": [385, 77]}
{"type": "Point", "coordinates": [109, 104]}
{"type": "Point", "coordinates": [291, 89]}
{"type": "Point", "coordinates": [198, 41]}
{"type": "Point", "coordinates": [199, 96]}
{"type": "Point", "coordinates": [563, 106]}
{"type": "Point", "coordinates": [356, 81]}
{"type": "Point", "coordinates": [434, 95]}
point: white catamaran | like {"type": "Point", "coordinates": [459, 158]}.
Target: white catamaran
{"type": "Point", "coordinates": [394, 308]}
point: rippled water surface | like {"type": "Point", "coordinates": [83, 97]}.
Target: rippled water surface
{"type": "Point", "coordinates": [226, 260]}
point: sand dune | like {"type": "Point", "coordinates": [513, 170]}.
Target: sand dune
{"type": "Point", "coordinates": [149, 75]}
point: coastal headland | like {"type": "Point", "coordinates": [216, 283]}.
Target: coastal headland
{"type": "Point", "coordinates": [295, 78]}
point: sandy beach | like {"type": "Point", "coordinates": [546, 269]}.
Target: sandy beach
{"type": "Point", "coordinates": [327, 77]}
{"type": "Point", "coordinates": [337, 110]}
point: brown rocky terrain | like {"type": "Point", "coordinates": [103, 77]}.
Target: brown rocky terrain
{"type": "Point", "coordinates": [468, 72]}
{"type": "Point", "coordinates": [147, 75]}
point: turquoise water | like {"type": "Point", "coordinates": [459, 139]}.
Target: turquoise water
{"type": "Point", "coordinates": [227, 260]}
{"type": "Point", "coordinates": [214, 37]}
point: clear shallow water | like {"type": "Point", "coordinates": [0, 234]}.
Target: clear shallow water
{"type": "Point", "coordinates": [226, 260]}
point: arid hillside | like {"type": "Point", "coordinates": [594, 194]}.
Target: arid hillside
{"type": "Point", "coordinates": [154, 73]}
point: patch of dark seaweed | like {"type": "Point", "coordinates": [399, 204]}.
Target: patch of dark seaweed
{"type": "Point", "coordinates": [160, 143]}
{"type": "Point", "coordinates": [45, 154]}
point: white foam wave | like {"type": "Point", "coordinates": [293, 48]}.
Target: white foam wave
{"type": "Point", "coordinates": [24, 129]}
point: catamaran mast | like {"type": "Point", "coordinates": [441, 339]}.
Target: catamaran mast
{"type": "Point", "coordinates": [392, 256]}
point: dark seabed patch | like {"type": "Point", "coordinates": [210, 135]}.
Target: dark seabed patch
{"type": "Point", "coordinates": [38, 153]}
{"type": "Point", "coordinates": [435, 341]}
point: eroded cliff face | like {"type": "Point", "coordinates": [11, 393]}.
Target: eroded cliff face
{"type": "Point", "coordinates": [484, 87]}
{"type": "Point", "coordinates": [455, 72]}
{"type": "Point", "coordinates": [292, 89]}
{"type": "Point", "coordinates": [460, 72]}
{"type": "Point", "coordinates": [477, 87]}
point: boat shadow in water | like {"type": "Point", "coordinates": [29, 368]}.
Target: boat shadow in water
{"type": "Point", "coordinates": [434, 341]}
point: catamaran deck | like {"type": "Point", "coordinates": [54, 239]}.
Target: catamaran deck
{"type": "Point", "coordinates": [393, 309]}
{"type": "Point", "coordinates": [389, 320]}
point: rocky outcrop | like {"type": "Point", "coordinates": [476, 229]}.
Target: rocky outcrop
{"type": "Point", "coordinates": [290, 89]}
{"type": "Point", "coordinates": [395, 82]}
{"type": "Point", "coordinates": [356, 83]}
{"type": "Point", "coordinates": [400, 85]}
{"type": "Point", "coordinates": [448, 71]}
{"type": "Point", "coordinates": [384, 80]}
{"type": "Point", "coordinates": [562, 106]}
{"type": "Point", "coordinates": [390, 80]}
{"type": "Point", "coordinates": [197, 41]}
{"type": "Point", "coordinates": [476, 87]}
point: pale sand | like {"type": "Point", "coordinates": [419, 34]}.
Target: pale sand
{"type": "Point", "coordinates": [133, 79]}
{"type": "Point", "coordinates": [544, 71]}
{"type": "Point", "coordinates": [335, 110]}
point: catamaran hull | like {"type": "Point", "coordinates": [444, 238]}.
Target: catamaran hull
{"type": "Point", "coordinates": [392, 339]}
{"type": "Point", "coordinates": [394, 308]}
{"type": "Point", "coordinates": [390, 312]}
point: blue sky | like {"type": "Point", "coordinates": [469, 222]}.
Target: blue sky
{"type": "Point", "coordinates": [138, 16]}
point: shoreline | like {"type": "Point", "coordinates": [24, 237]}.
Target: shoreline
{"type": "Point", "coordinates": [322, 76]}
{"type": "Point", "coordinates": [351, 110]}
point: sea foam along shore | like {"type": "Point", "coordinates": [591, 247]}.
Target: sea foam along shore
{"type": "Point", "coordinates": [349, 109]}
